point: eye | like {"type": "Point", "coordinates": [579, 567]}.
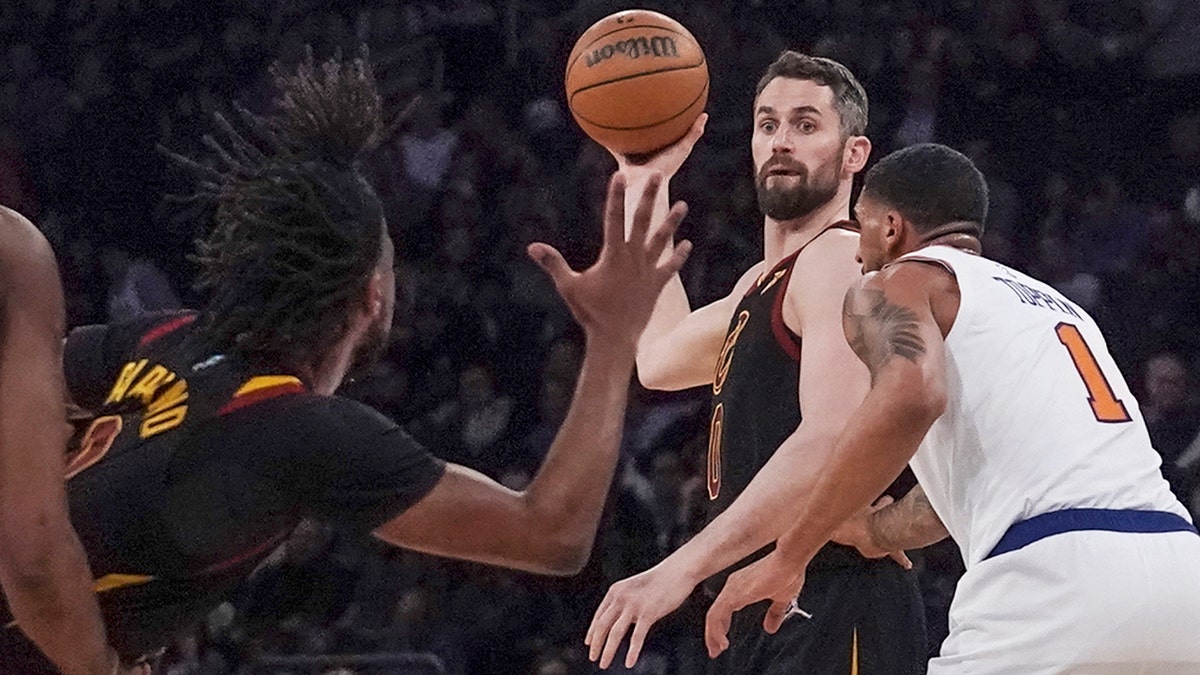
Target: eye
{"type": "Point", "coordinates": [768, 126]}
{"type": "Point", "coordinates": [807, 126]}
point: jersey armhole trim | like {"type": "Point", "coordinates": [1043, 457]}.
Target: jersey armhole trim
{"type": "Point", "coordinates": [164, 329]}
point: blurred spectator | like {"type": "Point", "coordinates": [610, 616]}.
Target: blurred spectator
{"type": "Point", "coordinates": [1172, 412]}
{"type": "Point", "coordinates": [135, 285]}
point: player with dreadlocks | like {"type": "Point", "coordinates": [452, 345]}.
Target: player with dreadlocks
{"type": "Point", "coordinates": [217, 432]}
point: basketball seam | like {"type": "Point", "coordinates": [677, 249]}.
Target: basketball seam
{"type": "Point", "coordinates": [640, 25]}
{"type": "Point", "coordinates": [703, 91]}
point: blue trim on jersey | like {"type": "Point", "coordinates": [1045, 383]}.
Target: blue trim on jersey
{"type": "Point", "coordinates": [1024, 532]}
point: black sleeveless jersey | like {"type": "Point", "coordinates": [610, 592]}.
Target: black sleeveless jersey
{"type": "Point", "coordinates": [198, 465]}
{"type": "Point", "coordinates": [756, 400]}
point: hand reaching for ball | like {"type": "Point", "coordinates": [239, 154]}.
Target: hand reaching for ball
{"type": "Point", "coordinates": [637, 169]}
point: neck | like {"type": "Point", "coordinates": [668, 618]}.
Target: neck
{"type": "Point", "coordinates": [327, 375]}
{"type": "Point", "coordinates": [782, 238]}
{"type": "Point", "coordinates": [963, 234]}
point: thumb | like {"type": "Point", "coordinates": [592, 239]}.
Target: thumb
{"type": "Point", "coordinates": [881, 502]}
{"type": "Point", "coordinates": [550, 260]}
{"type": "Point", "coordinates": [775, 615]}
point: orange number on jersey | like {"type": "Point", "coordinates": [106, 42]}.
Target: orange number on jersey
{"type": "Point", "coordinates": [95, 444]}
{"type": "Point", "coordinates": [1105, 404]}
{"type": "Point", "coordinates": [714, 451]}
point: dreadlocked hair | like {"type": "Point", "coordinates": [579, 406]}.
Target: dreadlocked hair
{"type": "Point", "coordinates": [298, 228]}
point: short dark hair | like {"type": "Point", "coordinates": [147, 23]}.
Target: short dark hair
{"type": "Point", "coordinates": [930, 185]}
{"type": "Point", "coordinates": [298, 229]}
{"type": "Point", "coordinates": [849, 97]}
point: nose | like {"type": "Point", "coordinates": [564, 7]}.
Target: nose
{"type": "Point", "coordinates": [781, 141]}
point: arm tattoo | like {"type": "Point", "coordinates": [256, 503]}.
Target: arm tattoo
{"type": "Point", "coordinates": [878, 330]}
{"type": "Point", "coordinates": [909, 523]}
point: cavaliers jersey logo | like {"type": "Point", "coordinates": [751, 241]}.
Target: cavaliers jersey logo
{"type": "Point", "coordinates": [724, 361]}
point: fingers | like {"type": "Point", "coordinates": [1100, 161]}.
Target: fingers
{"type": "Point", "coordinates": [606, 615]}
{"type": "Point", "coordinates": [666, 232]}
{"type": "Point", "coordinates": [693, 135]}
{"type": "Point", "coordinates": [881, 502]}
{"type": "Point", "coordinates": [716, 626]}
{"type": "Point", "coordinates": [776, 613]}
{"type": "Point", "coordinates": [549, 259]}
{"type": "Point", "coordinates": [901, 559]}
{"type": "Point", "coordinates": [640, 629]}
{"type": "Point", "coordinates": [675, 263]}
{"type": "Point", "coordinates": [615, 635]}
{"type": "Point", "coordinates": [645, 209]}
{"type": "Point", "coordinates": [614, 212]}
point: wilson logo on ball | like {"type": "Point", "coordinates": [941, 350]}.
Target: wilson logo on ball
{"type": "Point", "coordinates": [634, 48]}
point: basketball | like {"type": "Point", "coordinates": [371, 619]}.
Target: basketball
{"type": "Point", "coordinates": [636, 81]}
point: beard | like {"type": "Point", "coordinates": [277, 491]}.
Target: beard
{"type": "Point", "coordinates": [369, 349]}
{"type": "Point", "coordinates": [808, 194]}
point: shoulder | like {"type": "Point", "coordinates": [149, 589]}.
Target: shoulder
{"type": "Point", "coordinates": [748, 279]}
{"type": "Point", "coordinates": [23, 249]}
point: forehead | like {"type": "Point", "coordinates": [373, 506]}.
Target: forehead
{"type": "Point", "coordinates": [783, 94]}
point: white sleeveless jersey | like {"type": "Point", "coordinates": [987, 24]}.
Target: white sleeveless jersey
{"type": "Point", "coordinates": [1038, 418]}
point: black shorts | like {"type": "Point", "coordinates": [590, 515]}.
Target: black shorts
{"type": "Point", "coordinates": [867, 619]}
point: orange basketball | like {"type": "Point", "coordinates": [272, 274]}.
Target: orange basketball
{"type": "Point", "coordinates": [636, 80]}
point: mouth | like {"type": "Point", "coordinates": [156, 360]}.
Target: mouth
{"type": "Point", "coordinates": [781, 171]}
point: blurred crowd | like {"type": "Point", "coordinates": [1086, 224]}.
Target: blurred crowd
{"type": "Point", "coordinates": [1082, 114]}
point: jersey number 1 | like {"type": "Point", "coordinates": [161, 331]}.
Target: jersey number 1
{"type": "Point", "coordinates": [1105, 404]}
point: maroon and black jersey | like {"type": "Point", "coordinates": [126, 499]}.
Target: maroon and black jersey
{"type": "Point", "coordinates": [756, 398]}
{"type": "Point", "coordinates": [199, 464]}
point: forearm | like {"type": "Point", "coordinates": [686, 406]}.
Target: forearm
{"type": "Point", "coordinates": [867, 457]}
{"type": "Point", "coordinates": [762, 512]}
{"type": "Point", "coordinates": [673, 305]}
{"type": "Point", "coordinates": [566, 497]}
{"type": "Point", "coordinates": [49, 589]}
{"type": "Point", "coordinates": [908, 524]}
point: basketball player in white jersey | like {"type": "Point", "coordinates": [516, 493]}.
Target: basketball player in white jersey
{"type": "Point", "coordinates": [1025, 439]}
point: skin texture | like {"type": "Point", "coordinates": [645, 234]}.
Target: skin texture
{"type": "Point", "coordinates": [43, 568]}
{"type": "Point", "coordinates": [797, 142]}
{"type": "Point", "coordinates": [897, 319]}
{"type": "Point", "coordinates": [550, 527]}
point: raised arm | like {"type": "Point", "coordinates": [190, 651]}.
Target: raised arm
{"type": "Point", "coordinates": [890, 323]}
{"type": "Point", "coordinates": [43, 568]}
{"type": "Point", "coordinates": [679, 347]}
{"type": "Point", "coordinates": [550, 527]}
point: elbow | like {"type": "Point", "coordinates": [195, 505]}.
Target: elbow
{"type": "Point", "coordinates": [925, 404]}
{"type": "Point", "coordinates": [27, 562]}
{"type": "Point", "coordinates": [566, 556]}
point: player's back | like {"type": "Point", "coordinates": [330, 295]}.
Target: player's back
{"type": "Point", "coordinates": [200, 463]}
{"type": "Point", "coordinates": [1038, 417]}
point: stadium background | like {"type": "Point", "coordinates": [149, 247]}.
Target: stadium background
{"type": "Point", "coordinates": [1083, 114]}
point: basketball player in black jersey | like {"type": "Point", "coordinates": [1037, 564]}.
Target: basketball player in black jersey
{"type": "Point", "coordinates": [43, 569]}
{"type": "Point", "coordinates": [784, 383]}
{"type": "Point", "coordinates": [217, 432]}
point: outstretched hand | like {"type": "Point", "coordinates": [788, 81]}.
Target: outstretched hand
{"type": "Point", "coordinates": [635, 603]}
{"type": "Point", "coordinates": [771, 578]}
{"type": "Point", "coordinates": [666, 161]}
{"type": "Point", "coordinates": [614, 297]}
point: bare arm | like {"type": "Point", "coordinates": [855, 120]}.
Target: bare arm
{"type": "Point", "coordinates": [832, 384]}
{"type": "Point", "coordinates": [679, 347]}
{"type": "Point", "coordinates": [907, 524]}
{"type": "Point", "coordinates": [43, 568]}
{"type": "Point", "coordinates": [889, 320]}
{"type": "Point", "coordinates": [890, 324]}
{"type": "Point", "coordinates": [550, 526]}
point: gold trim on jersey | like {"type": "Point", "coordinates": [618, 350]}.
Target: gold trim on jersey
{"type": "Point", "coordinates": [263, 381]}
